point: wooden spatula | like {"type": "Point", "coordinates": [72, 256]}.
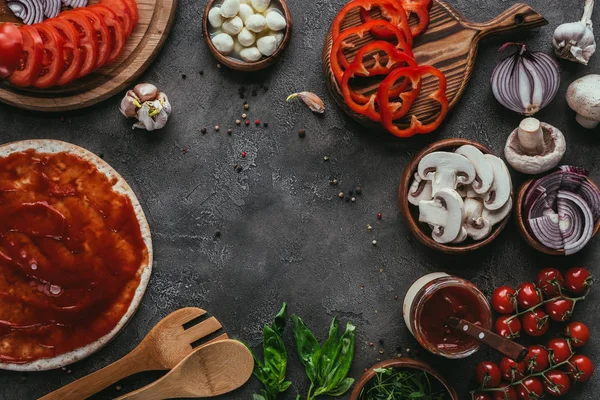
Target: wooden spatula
{"type": "Point", "coordinates": [162, 349]}
{"type": "Point", "coordinates": [209, 371]}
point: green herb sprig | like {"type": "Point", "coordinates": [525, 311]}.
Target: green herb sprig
{"type": "Point", "coordinates": [407, 383]}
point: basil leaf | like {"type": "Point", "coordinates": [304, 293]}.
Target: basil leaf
{"type": "Point", "coordinates": [307, 346]}
{"type": "Point", "coordinates": [278, 324]}
{"type": "Point", "coordinates": [275, 355]}
{"type": "Point", "coordinates": [328, 351]}
{"type": "Point", "coordinates": [342, 388]}
{"type": "Point", "coordinates": [342, 362]}
{"type": "Point", "coordinates": [258, 397]}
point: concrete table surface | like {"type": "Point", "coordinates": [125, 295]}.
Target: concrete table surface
{"type": "Point", "coordinates": [285, 234]}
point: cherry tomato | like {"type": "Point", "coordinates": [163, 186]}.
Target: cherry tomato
{"type": "Point", "coordinates": [535, 323]}
{"type": "Point", "coordinates": [125, 13]}
{"type": "Point", "coordinates": [559, 350]}
{"type": "Point", "coordinates": [528, 295]}
{"type": "Point", "coordinates": [549, 280]}
{"type": "Point", "coordinates": [102, 34]}
{"type": "Point", "coordinates": [508, 328]}
{"type": "Point", "coordinates": [530, 389]}
{"type": "Point", "coordinates": [72, 57]}
{"type": "Point", "coordinates": [559, 309]}
{"type": "Point", "coordinates": [504, 300]}
{"type": "Point", "coordinates": [580, 368]}
{"type": "Point", "coordinates": [488, 374]}
{"type": "Point", "coordinates": [30, 63]}
{"type": "Point", "coordinates": [507, 393]}
{"type": "Point", "coordinates": [481, 396]}
{"type": "Point", "coordinates": [511, 370]}
{"type": "Point", "coordinates": [557, 383]}
{"type": "Point", "coordinates": [87, 40]}
{"type": "Point", "coordinates": [578, 333]}
{"type": "Point", "coordinates": [11, 48]}
{"type": "Point", "coordinates": [536, 359]}
{"type": "Point", "coordinates": [115, 28]}
{"type": "Point", "coordinates": [578, 280]}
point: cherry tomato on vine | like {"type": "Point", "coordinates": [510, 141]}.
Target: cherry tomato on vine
{"type": "Point", "coordinates": [488, 374]}
{"type": "Point", "coordinates": [507, 393]}
{"type": "Point", "coordinates": [511, 370]}
{"type": "Point", "coordinates": [530, 389]}
{"type": "Point", "coordinates": [578, 333]}
{"type": "Point", "coordinates": [549, 280]}
{"type": "Point", "coordinates": [559, 350]}
{"type": "Point", "coordinates": [578, 280]}
{"type": "Point", "coordinates": [536, 359]}
{"type": "Point", "coordinates": [504, 300]}
{"type": "Point", "coordinates": [580, 368]}
{"type": "Point", "coordinates": [535, 323]}
{"type": "Point", "coordinates": [559, 309]}
{"type": "Point", "coordinates": [481, 396]}
{"type": "Point", "coordinates": [557, 383]}
{"type": "Point", "coordinates": [507, 327]}
{"type": "Point", "coordinates": [528, 295]}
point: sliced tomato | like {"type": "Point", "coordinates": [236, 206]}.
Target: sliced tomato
{"type": "Point", "coordinates": [115, 29]}
{"type": "Point", "coordinates": [30, 64]}
{"type": "Point", "coordinates": [52, 61]}
{"type": "Point", "coordinates": [72, 54]}
{"type": "Point", "coordinates": [11, 48]}
{"type": "Point", "coordinates": [102, 34]}
{"type": "Point", "coordinates": [88, 44]}
{"type": "Point", "coordinates": [127, 14]}
{"type": "Point", "coordinates": [132, 4]}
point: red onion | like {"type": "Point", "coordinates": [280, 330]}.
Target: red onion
{"type": "Point", "coordinates": [525, 81]}
{"type": "Point", "coordinates": [51, 8]}
{"type": "Point", "coordinates": [30, 11]}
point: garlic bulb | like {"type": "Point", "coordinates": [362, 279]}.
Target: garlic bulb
{"type": "Point", "coordinates": [148, 105]}
{"type": "Point", "coordinates": [574, 41]}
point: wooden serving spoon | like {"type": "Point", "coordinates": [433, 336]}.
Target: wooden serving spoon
{"type": "Point", "coordinates": [212, 370]}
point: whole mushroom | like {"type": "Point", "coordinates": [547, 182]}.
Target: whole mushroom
{"type": "Point", "coordinates": [583, 96]}
{"type": "Point", "coordinates": [148, 105]}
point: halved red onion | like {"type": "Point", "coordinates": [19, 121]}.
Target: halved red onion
{"type": "Point", "coordinates": [51, 8]}
{"type": "Point", "coordinates": [29, 11]}
{"type": "Point", "coordinates": [572, 204]}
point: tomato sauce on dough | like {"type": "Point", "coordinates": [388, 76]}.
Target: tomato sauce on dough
{"type": "Point", "coordinates": [71, 249]}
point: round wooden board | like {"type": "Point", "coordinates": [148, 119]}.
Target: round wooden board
{"type": "Point", "coordinates": [155, 21]}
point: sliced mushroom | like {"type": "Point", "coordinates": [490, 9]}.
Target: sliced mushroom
{"type": "Point", "coordinates": [462, 236]}
{"type": "Point", "coordinates": [475, 225]}
{"type": "Point", "coordinates": [499, 193]}
{"type": "Point", "coordinates": [419, 190]}
{"type": "Point", "coordinates": [484, 174]}
{"type": "Point", "coordinates": [498, 215]}
{"type": "Point", "coordinates": [446, 170]}
{"type": "Point", "coordinates": [445, 212]}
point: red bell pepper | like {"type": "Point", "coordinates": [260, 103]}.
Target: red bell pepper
{"type": "Point", "coordinates": [420, 8]}
{"type": "Point", "coordinates": [11, 48]}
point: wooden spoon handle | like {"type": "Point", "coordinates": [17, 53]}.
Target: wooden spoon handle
{"type": "Point", "coordinates": [519, 16]}
{"type": "Point", "coordinates": [166, 387]}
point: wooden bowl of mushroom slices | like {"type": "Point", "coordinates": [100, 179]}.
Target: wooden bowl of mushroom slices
{"type": "Point", "coordinates": [234, 60]}
{"type": "Point", "coordinates": [410, 212]}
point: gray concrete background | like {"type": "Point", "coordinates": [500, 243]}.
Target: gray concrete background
{"type": "Point", "coordinates": [285, 234]}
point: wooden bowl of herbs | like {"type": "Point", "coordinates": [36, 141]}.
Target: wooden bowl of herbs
{"type": "Point", "coordinates": [402, 378]}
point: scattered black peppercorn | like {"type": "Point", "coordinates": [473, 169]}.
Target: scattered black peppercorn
{"type": "Point", "coordinates": [265, 124]}
{"type": "Point", "coordinates": [217, 234]}
{"type": "Point", "coordinates": [358, 190]}
{"type": "Point", "coordinates": [203, 130]}
{"type": "Point", "coordinates": [238, 168]}
{"type": "Point", "coordinates": [229, 131]}
{"type": "Point", "coordinates": [101, 155]}
{"type": "Point", "coordinates": [381, 342]}
{"type": "Point", "coordinates": [301, 133]}
{"type": "Point", "coordinates": [201, 72]}
{"type": "Point", "coordinates": [183, 76]}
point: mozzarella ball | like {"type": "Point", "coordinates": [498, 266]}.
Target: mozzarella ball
{"type": "Point", "coordinates": [223, 42]}
{"type": "Point", "coordinates": [278, 37]}
{"type": "Point", "coordinates": [233, 26]}
{"type": "Point", "coordinates": [267, 45]}
{"type": "Point", "coordinates": [249, 2]}
{"type": "Point", "coordinates": [237, 47]}
{"type": "Point", "coordinates": [245, 12]}
{"type": "Point", "coordinates": [256, 23]}
{"type": "Point", "coordinates": [275, 21]}
{"type": "Point", "coordinates": [214, 17]}
{"type": "Point", "coordinates": [250, 54]}
{"type": "Point", "coordinates": [246, 38]}
{"type": "Point", "coordinates": [261, 5]}
{"type": "Point", "coordinates": [230, 8]}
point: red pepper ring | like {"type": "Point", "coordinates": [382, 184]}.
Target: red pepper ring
{"type": "Point", "coordinates": [421, 12]}
{"type": "Point", "coordinates": [339, 61]}
{"type": "Point", "coordinates": [389, 113]}
{"type": "Point", "coordinates": [378, 32]}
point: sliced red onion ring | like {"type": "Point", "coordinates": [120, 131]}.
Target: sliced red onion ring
{"type": "Point", "coordinates": [51, 8]}
{"type": "Point", "coordinates": [572, 204]}
{"type": "Point", "coordinates": [546, 230]}
{"type": "Point", "coordinates": [29, 11]}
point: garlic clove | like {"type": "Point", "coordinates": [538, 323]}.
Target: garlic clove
{"type": "Point", "coordinates": [313, 101]}
{"type": "Point", "coordinates": [129, 106]}
{"type": "Point", "coordinates": [145, 91]}
{"type": "Point", "coordinates": [164, 101]}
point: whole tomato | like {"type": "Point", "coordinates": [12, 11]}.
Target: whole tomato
{"type": "Point", "coordinates": [557, 383]}
{"type": "Point", "coordinates": [535, 323]}
{"type": "Point", "coordinates": [559, 350]}
{"type": "Point", "coordinates": [11, 48]}
{"type": "Point", "coordinates": [530, 389]}
{"type": "Point", "coordinates": [578, 333]}
{"type": "Point", "coordinates": [481, 396]}
{"type": "Point", "coordinates": [488, 374]}
{"type": "Point", "coordinates": [578, 280]}
{"type": "Point", "coordinates": [536, 359]}
{"type": "Point", "coordinates": [507, 327]}
{"type": "Point", "coordinates": [549, 280]}
{"type": "Point", "coordinates": [580, 368]}
{"type": "Point", "coordinates": [504, 300]}
{"type": "Point", "coordinates": [511, 370]}
{"type": "Point", "coordinates": [528, 295]}
{"type": "Point", "coordinates": [507, 393]}
{"type": "Point", "coordinates": [560, 309]}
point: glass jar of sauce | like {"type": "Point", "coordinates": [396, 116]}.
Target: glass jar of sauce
{"type": "Point", "coordinates": [434, 298]}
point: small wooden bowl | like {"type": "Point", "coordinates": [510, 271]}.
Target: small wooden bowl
{"type": "Point", "coordinates": [531, 241]}
{"type": "Point", "coordinates": [400, 363]}
{"type": "Point", "coordinates": [244, 66]}
{"type": "Point", "coordinates": [411, 213]}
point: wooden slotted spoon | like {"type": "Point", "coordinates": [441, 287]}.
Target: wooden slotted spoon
{"type": "Point", "coordinates": [162, 349]}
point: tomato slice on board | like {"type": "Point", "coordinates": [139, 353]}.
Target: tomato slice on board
{"type": "Point", "coordinates": [127, 14]}
{"type": "Point", "coordinates": [88, 44]}
{"type": "Point", "coordinates": [72, 55]}
{"type": "Point", "coordinates": [11, 48]}
{"type": "Point", "coordinates": [30, 64]}
{"type": "Point", "coordinates": [52, 61]}
{"type": "Point", "coordinates": [132, 4]}
{"type": "Point", "coordinates": [115, 29]}
{"type": "Point", "coordinates": [102, 34]}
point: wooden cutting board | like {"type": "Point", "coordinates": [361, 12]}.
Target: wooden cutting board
{"type": "Point", "coordinates": [449, 44]}
{"type": "Point", "coordinates": [155, 21]}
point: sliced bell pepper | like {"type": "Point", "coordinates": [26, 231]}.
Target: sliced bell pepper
{"type": "Point", "coordinates": [420, 8]}
{"type": "Point", "coordinates": [391, 111]}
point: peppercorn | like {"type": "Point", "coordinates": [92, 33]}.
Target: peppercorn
{"type": "Point", "coordinates": [335, 181]}
{"type": "Point", "coordinates": [217, 127]}
{"type": "Point", "coordinates": [374, 242]}
{"type": "Point", "coordinates": [378, 215]}
{"type": "Point", "coordinates": [246, 106]}
{"type": "Point", "coordinates": [101, 155]}
{"type": "Point", "coordinates": [243, 154]}
{"type": "Point", "coordinates": [381, 342]}
{"type": "Point", "coordinates": [219, 66]}
{"type": "Point", "coordinates": [237, 122]}
{"type": "Point", "coordinates": [229, 131]}
{"type": "Point", "coordinates": [341, 195]}
{"type": "Point", "coordinates": [326, 158]}
{"type": "Point", "coordinates": [358, 190]}
{"type": "Point", "coordinates": [371, 344]}
{"type": "Point", "coordinates": [203, 130]}
{"type": "Point", "coordinates": [301, 133]}
{"type": "Point", "coordinates": [238, 168]}
{"type": "Point", "coordinates": [244, 116]}
{"type": "Point", "coordinates": [217, 234]}
{"type": "Point", "coordinates": [201, 72]}
{"type": "Point", "coordinates": [183, 76]}
{"type": "Point", "coordinates": [265, 124]}
{"type": "Point", "coordinates": [353, 199]}
{"type": "Point", "coordinates": [247, 122]}
{"type": "Point", "coordinates": [257, 122]}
